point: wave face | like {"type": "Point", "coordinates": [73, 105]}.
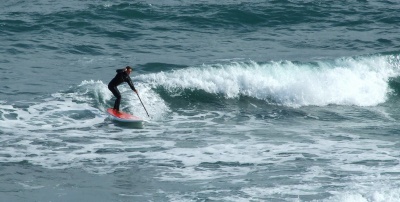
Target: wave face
{"type": "Point", "coordinates": [362, 81]}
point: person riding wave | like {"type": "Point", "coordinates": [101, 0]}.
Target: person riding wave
{"type": "Point", "coordinates": [121, 77]}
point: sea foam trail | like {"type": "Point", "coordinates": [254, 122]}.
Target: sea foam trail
{"type": "Point", "coordinates": [80, 106]}
{"type": "Point", "coordinates": [345, 81]}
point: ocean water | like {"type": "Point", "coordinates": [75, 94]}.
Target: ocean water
{"type": "Point", "coordinates": [279, 100]}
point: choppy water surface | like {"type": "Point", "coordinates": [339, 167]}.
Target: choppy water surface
{"type": "Point", "coordinates": [248, 101]}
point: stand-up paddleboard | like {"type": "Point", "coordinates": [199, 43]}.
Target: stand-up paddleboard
{"type": "Point", "coordinates": [123, 117]}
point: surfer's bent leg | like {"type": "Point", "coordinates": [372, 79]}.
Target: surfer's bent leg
{"type": "Point", "coordinates": [117, 94]}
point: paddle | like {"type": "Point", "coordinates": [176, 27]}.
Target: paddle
{"type": "Point", "coordinates": [142, 104]}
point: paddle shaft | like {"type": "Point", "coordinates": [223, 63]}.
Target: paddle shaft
{"type": "Point", "coordinates": [142, 104]}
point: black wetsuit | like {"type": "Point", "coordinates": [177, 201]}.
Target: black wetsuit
{"type": "Point", "coordinates": [121, 77]}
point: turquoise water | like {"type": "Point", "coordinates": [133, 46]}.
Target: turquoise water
{"type": "Point", "coordinates": [248, 101]}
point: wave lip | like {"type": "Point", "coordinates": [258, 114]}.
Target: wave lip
{"type": "Point", "coordinates": [360, 81]}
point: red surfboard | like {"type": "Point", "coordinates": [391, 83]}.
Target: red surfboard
{"type": "Point", "coordinates": [122, 116]}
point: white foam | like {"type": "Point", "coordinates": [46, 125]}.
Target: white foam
{"type": "Point", "coordinates": [152, 102]}
{"type": "Point", "coordinates": [50, 114]}
{"type": "Point", "coordinates": [40, 131]}
{"type": "Point", "coordinates": [97, 94]}
{"type": "Point", "coordinates": [379, 193]}
{"type": "Point", "coordinates": [225, 151]}
{"type": "Point", "coordinates": [347, 81]}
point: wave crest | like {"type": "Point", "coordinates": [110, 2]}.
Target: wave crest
{"type": "Point", "coordinates": [362, 81]}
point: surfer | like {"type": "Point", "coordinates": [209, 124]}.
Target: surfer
{"type": "Point", "coordinates": [122, 76]}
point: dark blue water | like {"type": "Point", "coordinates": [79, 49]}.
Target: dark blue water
{"type": "Point", "coordinates": [248, 101]}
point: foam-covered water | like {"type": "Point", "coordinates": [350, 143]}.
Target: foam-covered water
{"type": "Point", "coordinates": [248, 147]}
{"type": "Point", "coordinates": [248, 101]}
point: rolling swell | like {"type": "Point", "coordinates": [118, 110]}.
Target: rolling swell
{"type": "Point", "coordinates": [272, 14]}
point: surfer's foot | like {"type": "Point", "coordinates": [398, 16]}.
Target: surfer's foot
{"type": "Point", "coordinates": [117, 110]}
